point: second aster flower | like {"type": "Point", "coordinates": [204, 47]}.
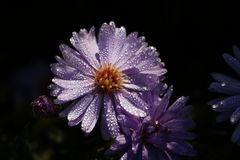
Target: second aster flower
{"type": "Point", "coordinates": [162, 135]}
{"type": "Point", "coordinates": [104, 75]}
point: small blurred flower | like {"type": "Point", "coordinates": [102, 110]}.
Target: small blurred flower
{"type": "Point", "coordinates": [43, 106]}
{"type": "Point", "coordinates": [228, 106]}
{"type": "Point", "coordinates": [161, 135]}
{"type": "Point", "coordinates": [103, 76]}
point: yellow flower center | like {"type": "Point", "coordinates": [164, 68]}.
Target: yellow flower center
{"type": "Point", "coordinates": [108, 78]}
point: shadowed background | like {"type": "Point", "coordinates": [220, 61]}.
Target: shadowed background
{"type": "Point", "coordinates": [191, 37]}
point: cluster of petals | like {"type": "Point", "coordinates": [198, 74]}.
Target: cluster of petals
{"type": "Point", "coordinates": [229, 105]}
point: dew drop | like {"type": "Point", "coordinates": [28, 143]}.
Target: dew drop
{"type": "Point", "coordinates": [223, 84]}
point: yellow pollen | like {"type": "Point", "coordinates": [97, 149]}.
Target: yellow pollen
{"type": "Point", "coordinates": [108, 78]}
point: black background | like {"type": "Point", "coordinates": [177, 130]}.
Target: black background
{"type": "Point", "coordinates": [190, 36]}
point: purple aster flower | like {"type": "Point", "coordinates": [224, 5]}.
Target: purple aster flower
{"type": "Point", "coordinates": [104, 75]}
{"type": "Point", "coordinates": [160, 135]}
{"type": "Point", "coordinates": [229, 105]}
{"type": "Point", "coordinates": [43, 106]}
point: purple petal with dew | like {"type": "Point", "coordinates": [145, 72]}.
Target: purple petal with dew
{"type": "Point", "coordinates": [55, 90]}
{"type": "Point", "coordinates": [132, 103]}
{"type": "Point", "coordinates": [63, 71]}
{"type": "Point", "coordinates": [86, 44]}
{"type": "Point", "coordinates": [135, 87]}
{"type": "Point", "coordinates": [157, 111]}
{"type": "Point", "coordinates": [146, 63]}
{"type": "Point", "coordinates": [227, 104]}
{"type": "Point", "coordinates": [132, 47]}
{"type": "Point", "coordinates": [111, 41]}
{"type": "Point", "coordinates": [60, 60]}
{"type": "Point", "coordinates": [91, 115]}
{"type": "Point", "coordinates": [105, 36]}
{"type": "Point", "coordinates": [178, 104]}
{"type": "Point", "coordinates": [129, 107]}
{"type": "Point", "coordinates": [73, 84]}
{"type": "Point", "coordinates": [225, 78]}
{"type": "Point", "coordinates": [180, 108]}
{"type": "Point", "coordinates": [131, 71]}
{"type": "Point", "coordinates": [236, 115]}
{"type": "Point", "coordinates": [80, 107]}
{"type": "Point", "coordinates": [232, 62]}
{"type": "Point", "coordinates": [71, 94]}
{"type": "Point", "coordinates": [215, 101]}
{"type": "Point", "coordinates": [73, 60]}
{"type": "Point", "coordinates": [147, 81]}
{"type": "Point", "coordinates": [110, 116]}
{"type": "Point", "coordinates": [226, 88]}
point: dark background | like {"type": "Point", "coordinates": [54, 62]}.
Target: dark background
{"type": "Point", "coordinates": [190, 36]}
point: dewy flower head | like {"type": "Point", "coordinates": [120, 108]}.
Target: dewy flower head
{"type": "Point", "coordinates": [161, 135]}
{"type": "Point", "coordinates": [228, 106]}
{"type": "Point", "coordinates": [105, 75]}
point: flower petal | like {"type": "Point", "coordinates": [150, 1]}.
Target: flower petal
{"type": "Point", "coordinates": [91, 115]}
{"type": "Point", "coordinates": [157, 111]}
{"type": "Point", "coordinates": [63, 71]}
{"type": "Point", "coordinates": [55, 90]}
{"type": "Point", "coordinates": [135, 87]}
{"type": "Point", "coordinates": [146, 81]}
{"type": "Point", "coordinates": [133, 46]}
{"type": "Point", "coordinates": [224, 78]}
{"type": "Point", "coordinates": [71, 94]}
{"type": "Point", "coordinates": [80, 107]}
{"type": "Point", "coordinates": [73, 84]}
{"type": "Point", "coordinates": [132, 103]}
{"type": "Point", "coordinates": [232, 62]}
{"type": "Point", "coordinates": [111, 41]}
{"type": "Point", "coordinates": [226, 88]}
{"type": "Point", "coordinates": [130, 106]}
{"type": "Point", "coordinates": [236, 115]}
{"type": "Point", "coordinates": [86, 44]}
{"type": "Point", "coordinates": [74, 60]}
{"type": "Point", "coordinates": [147, 62]}
{"type": "Point", "coordinates": [109, 115]}
{"type": "Point", "coordinates": [227, 104]}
